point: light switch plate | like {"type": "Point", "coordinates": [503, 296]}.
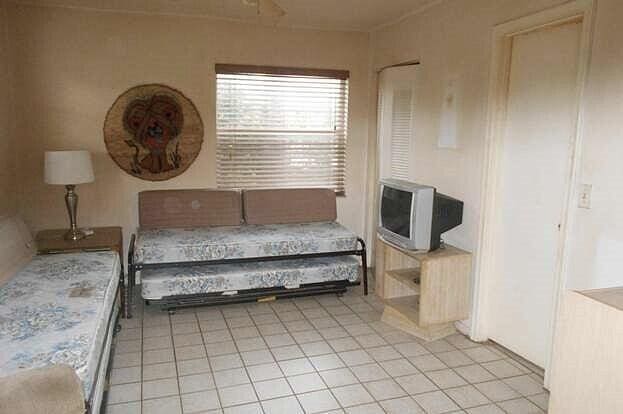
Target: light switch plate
{"type": "Point", "coordinates": [584, 196]}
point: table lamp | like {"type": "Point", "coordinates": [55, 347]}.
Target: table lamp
{"type": "Point", "coordinates": [69, 168]}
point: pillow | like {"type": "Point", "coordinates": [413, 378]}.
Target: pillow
{"type": "Point", "coordinates": [284, 206]}
{"type": "Point", "coordinates": [189, 208]}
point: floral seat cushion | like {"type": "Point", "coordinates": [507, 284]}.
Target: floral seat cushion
{"type": "Point", "coordinates": [157, 283]}
{"type": "Point", "coordinates": [56, 310]}
{"type": "Point", "coordinates": [155, 246]}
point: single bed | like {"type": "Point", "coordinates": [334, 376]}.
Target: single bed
{"type": "Point", "coordinates": [62, 309]}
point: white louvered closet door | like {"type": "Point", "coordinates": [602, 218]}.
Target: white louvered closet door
{"type": "Point", "coordinates": [396, 121]}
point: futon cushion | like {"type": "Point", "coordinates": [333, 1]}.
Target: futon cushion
{"type": "Point", "coordinates": [283, 206]}
{"type": "Point", "coordinates": [189, 208]}
{"type": "Point", "coordinates": [248, 241]}
{"type": "Point", "coordinates": [56, 311]}
{"type": "Point", "coordinates": [173, 281]}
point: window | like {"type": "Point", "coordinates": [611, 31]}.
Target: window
{"type": "Point", "coordinates": [281, 127]}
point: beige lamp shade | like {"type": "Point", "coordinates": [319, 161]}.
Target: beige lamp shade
{"type": "Point", "coordinates": [68, 167]}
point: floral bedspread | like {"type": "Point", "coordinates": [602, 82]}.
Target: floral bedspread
{"type": "Point", "coordinates": [56, 310]}
{"type": "Point", "coordinates": [171, 281]}
{"type": "Point", "coordinates": [234, 242]}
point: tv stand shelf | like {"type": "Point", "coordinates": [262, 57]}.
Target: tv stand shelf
{"type": "Point", "coordinates": [424, 293]}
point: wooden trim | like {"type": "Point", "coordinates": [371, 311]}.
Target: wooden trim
{"type": "Point", "coordinates": [221, 68]}
{"type": "Point", "coordinates": [502, 35]}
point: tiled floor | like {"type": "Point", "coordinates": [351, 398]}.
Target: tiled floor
{"type": "Point", "coordinates": [322, 354]}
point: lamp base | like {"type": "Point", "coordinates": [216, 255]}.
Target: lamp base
{"type": "Point", "coordinates": [75, 234]}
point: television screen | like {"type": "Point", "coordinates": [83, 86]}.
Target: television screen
{"type": "Point", "coordinates": [396, 211]}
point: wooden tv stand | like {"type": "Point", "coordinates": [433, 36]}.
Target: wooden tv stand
{"type": "Point", "coordinates": [424, 293]}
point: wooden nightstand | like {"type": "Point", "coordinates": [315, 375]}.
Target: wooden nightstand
{"type": "Point", "coordinates": [103, 238]}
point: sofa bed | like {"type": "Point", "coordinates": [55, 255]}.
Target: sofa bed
{"type": "Point", "coordinates": [57, 309]}
{"type": "Point", "coordinates": [196, 247]}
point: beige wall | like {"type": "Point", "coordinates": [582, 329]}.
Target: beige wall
{"type": "Point", "coordinates": [7, 149]}
{"type": "Point", "coordinates": [453, 40]}
{"type": "Point", "coordinates": [71, 65]}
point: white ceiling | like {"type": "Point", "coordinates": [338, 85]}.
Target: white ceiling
{"type": "Point", "coordinates": [360, 15]}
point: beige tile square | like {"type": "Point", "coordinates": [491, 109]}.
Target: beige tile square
{"type": "Point", "coordinates": [290, 316]}
{"type": "Point", "coordinates": [125, 408]}
{"type": "Point", "coordinates": [416, 384]}
{"type": "Point", "coordinates": [193, 366]}
{"type": "Point", "coordinates": [338, 377]}
{"type": "Point", "coordinates": [190, 352]}
{"type": "Point", "coordinates": [160, 388]}
{"type": "Point", "coordinates": [236, 395]}
{"type": "Point", "coordinates": [125, 375]}
{"type": "Point", "coordinates": [399, 367]}
{"type": "Point", "coordinates": [317, 402]}
{"type": "Point", "coordinates": [486, 409]}
{"type": "Point", "coordinates": [253, 408]}
{"type": "Point", "coordinates": [482, 354]}
{"type": "Point", "coordinates": [228, 361]}
{"type": "Point", "coordinates": [185, 328]}
{"type": "Point", "coordinates": [153, 331]}
{"type": "Point", "coordinates": [272, 388]}
{"type": "Point", "coordinates": [369, 372]}
{"type": "Point", "coordinates": [250, 344]}
{"type": "Point", "coordinates": [439, 345]}
{"type": "Point", "coordinates": [427, 363]}
{"type": "Point", "coordinates": [123, 347]}
{"type": "Point", "coordinates": [287, 352]}
{"type": "Point", "coordinates": [188, 339]}
{"type": "Point", "coordinates": [467, 396]}
{"type": "Point", "coordinates": [302, 337]}
{"type": "Point", "coordinates": [371, 408]}
{"type": "Point", "coordinates": [159, 371]}
{"type": "Point", "coordinates": [158, 356]}
{"type": "Point", "coordinates": [446, 378]}
{"type": "Point", "coordinates": [245, 332]}
{"type": "Point", "coordinates": [352, 395]}
{"type": "Point", "coordinates": [272, 329]}
{"type": "Point", "coordinates": [296, 367]}
{"type": "Point", "coordinates": [359, 329]}
{"type": "Point", "coordinates": [198, 402]}
{"type": "Point", "coordinates": [454, 359]}
{"type": "Point", "coordinates": [218, 336]}
{"type": "Point", "coordinates": [371, 340]}
{"type": "Point", "coordinates": [496, 390]}
{"type": "Point", "coordinates": [221, 348]}
{"type": "Point", "coordinates": [168, 405]}
{"type": "Point", "coordinates": [306, 383]}
{"type": "Point", "coordinates": [404, 405]}
{"type": "Point", "coordinates": [357, 357]}
{"type": "Point", "coordinates": [278, 340]}
{"type": "Point", "coordinates": [327, 322]}
{"type": "Point", "coordinates": [435, 402]}
{"type": "Point", "coordinates": [196, 382]}
{"type": "Point", "coordinates": [239, 322]}
{"type": "Point", "coordinates": [261, 356]}
{"type": "Point", "coordinates": [344, 344]}
{"type": "Point", "coordinates": [208, 326]}
{"type": "Point", "coordinates": [316, 348]}
{"type": "Point", "coordinates": [157, 342]}
{"type": "Point", "coordinates": [474, 373]}
{"type": "Point", "coordinates": [411, 349]}
{"type": "Point", "coordinates": [264, 372]}
{"type": "Point", "coordinates": [525, 385]}
{"type": "Point", "coordinates": [520, 406]}
{"type": "Point", "coordinates": [541, 400]}
{"type": "Point", "coordinates": [230, 377]}
{"type": "Point", "coordinates": [503, 368]}
{"type": "Point", "coordinates": [130, 359]}
{"type": "Point", "coordinates": [298, 325]}
{"type": "Point", "coordinates": [325, 362]}
{"type": "Point", "coordinates": [333, 333]}
{"type": "Point", "coordinates": [287, 405]}
{"type": "Point", "coordinates": [384, 389]}
{"type": "Point", "coordinates": [124, 393]}
{"type": "Point", "coordinates": [265, 318]}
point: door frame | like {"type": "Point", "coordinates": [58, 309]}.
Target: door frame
{"type": "Point", "coordinates": [576, 10]}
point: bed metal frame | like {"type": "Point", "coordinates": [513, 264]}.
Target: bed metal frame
{"type": "Point", "coordinates": [172, 302]}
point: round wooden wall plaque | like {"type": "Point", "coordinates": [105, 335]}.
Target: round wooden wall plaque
{"type": "Point", "coordinates": [153, 132]}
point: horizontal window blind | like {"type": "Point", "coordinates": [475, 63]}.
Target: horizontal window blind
{"type": "Point", "coordinates": [281, 127]}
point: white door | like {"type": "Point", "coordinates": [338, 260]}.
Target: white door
{"type": "Point", "coordinates": [534, 173]}
{"type": "Point", "coordinates": [396, 121]}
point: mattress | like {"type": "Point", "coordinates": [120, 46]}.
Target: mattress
{"type": "Point", "coordinates": [157, 283]}
{"type": "Point", "coordinates": [56, 310]}
{"type": "Point", "coordinates": [155, 246]}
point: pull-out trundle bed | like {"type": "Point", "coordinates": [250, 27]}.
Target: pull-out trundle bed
{"type": "Point", "coordinates": [196, 247]}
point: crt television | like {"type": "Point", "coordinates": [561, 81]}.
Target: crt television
{"type": "Point", "coordinates": [414, 216]}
